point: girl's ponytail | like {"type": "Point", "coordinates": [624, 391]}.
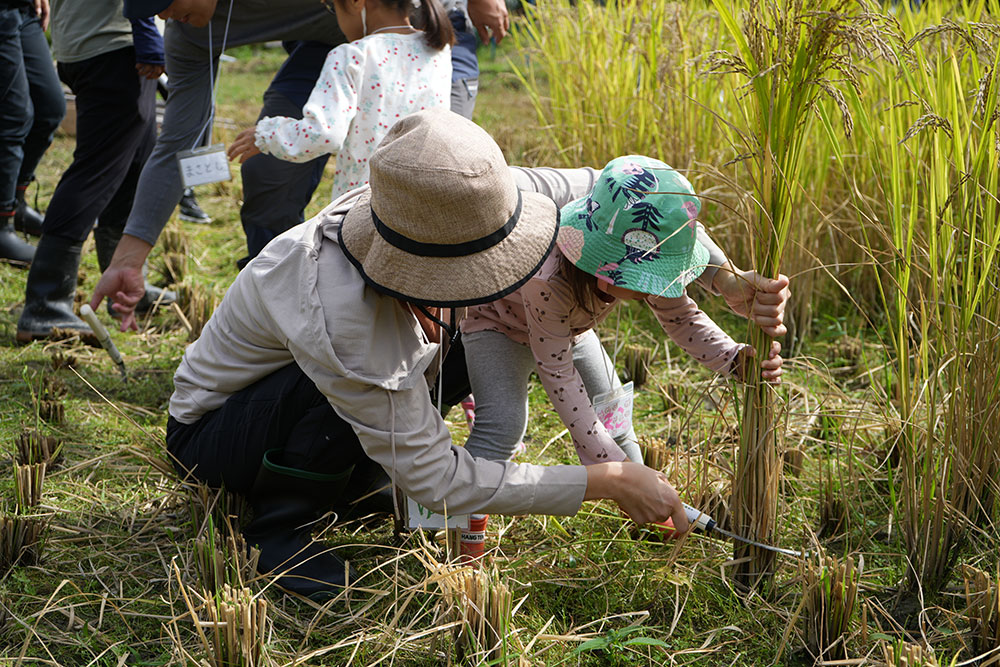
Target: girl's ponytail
{"type": "Point", "coordinates": [433, 20]}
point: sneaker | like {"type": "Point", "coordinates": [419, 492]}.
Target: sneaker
{"type": "Point", "coordinates": [190, 211]}
{"type": "Point", "coordinates": [469, 408]}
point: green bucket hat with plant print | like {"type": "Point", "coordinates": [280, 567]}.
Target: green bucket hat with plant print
{"type": "Point", "coordinates": [636, 229]}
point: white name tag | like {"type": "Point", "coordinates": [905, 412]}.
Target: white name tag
{"type": "Point", "coordinates": [207, 164]}
{"type": "Point", "coordinates": [421, 517]}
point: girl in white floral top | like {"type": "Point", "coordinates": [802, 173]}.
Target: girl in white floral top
{"type": "Point", "coordinates": [387, 71]}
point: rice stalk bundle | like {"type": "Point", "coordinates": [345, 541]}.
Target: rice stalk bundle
{"type": "Point", "coordinates": [636, 360]}
{"type": "Point", "coordinates": [982, 599]}
{"type": "Point", "coordinates": [59, 359]}
{"type": "Point", "coordinates": [28, 481]}
{"type": "Point", "coordinates": [173, 267]}
{"type": "Point", "coordinates": [830, 591]}
{"type": "Point", "coordinates": [904, 654]}
{"type": "Point", "coordinates": [21, 540]}
{"type": "Point", "coordinates": [197, 304]}
{"type": "Point", "coordinates": [209, 507]}
{"type": "Point", "coordinates": [223, 560]}
{"type": "Point", "coordinates": [53, 412]}
{"type": "Point", "coordinates": [832, 509]}
{"type": "Point", "coordinates": [483, 606]}
{"type": "Point", "coordinates": [237, 622]}
{"type": "Point", "coordinates": [175, 240]}
{"type": "Point", "coordinates": [655, 453]}
{"type": "Point", "coordinates": [33, 447]}
{"type": "Point", "coordinates": [791, 56]}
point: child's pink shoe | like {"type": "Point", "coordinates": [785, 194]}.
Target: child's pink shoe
{"type": "Point", "coordinates": [469, 407]}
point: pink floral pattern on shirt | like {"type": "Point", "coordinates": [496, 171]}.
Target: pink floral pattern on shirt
{"type": "Point", "coordinates": [364, 88]}
{"type": "Point", "coordinates": [544, 315]}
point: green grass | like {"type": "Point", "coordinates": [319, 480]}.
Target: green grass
{"type": "Point", "coordinates": [588, 590]}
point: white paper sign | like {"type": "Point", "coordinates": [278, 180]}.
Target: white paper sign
{"type": "Point", "coordinates": [614, 409]}
{"type": "Point", "coordinates": [421, 517]}
{"type": "Point", "coordinates": [207, 164]}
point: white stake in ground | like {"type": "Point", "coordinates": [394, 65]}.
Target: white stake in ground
{"type": "Point", "coordinates": [88, 314]}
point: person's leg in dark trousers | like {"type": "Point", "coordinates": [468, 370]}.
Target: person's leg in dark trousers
{"type": "Point", "coordinates": [276, 192]}
{"type": "Point", "coordinates": [279, 443]}
{"type": "Point", "coordinates": [115, 129]}
{"type": "Point", "coordinates": [47, 98]}
{"type": "Point", "coordinates": [16, 113]}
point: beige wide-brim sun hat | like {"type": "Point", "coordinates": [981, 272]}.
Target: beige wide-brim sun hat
{"type": "Point", "coordinates": [444, 224]}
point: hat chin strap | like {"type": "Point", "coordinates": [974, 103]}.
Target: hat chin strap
{"type": "Point", "coordinates": [451, 329]}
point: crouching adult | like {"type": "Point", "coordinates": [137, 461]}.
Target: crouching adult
{"type": "Point", "coordinates": [314, 371]}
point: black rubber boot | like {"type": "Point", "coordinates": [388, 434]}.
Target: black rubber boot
{"type": "Point", "coordinates": [26, 219]}
{"type": "Point", "coordinates": [48, 296]}
{"type": "Point", "coordinates": [105, 241]}
{"type": "Point", "coordinates": [286, 503]}
{"type": "Point", "coordinates": [13, 250]}
{"type": "Point", "coordinates": [368, 495]}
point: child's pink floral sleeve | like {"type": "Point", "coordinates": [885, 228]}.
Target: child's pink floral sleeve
{"type": "Point", "coordinates": [695, 332]}
{"type": "Point", "coordinates": [326, 117]}
{"type": "Point", "coordinates": [547, 307]}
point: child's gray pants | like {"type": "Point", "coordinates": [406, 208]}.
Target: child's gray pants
{"type": "Point", "coordinates": [499, 370]}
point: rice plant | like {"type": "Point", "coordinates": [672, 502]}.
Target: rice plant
{"type": "Point", "coordinates": [905, 654]}
{"type": "Point", "coordinates": [791, 55]}
{"type": "Point", "coordinates": [933, 238]}
{"type": "Point", "coordinates": [28, 481]}
{"type": "Point", "coordinates": [33, 447]}
{"type": "Point", "coordinates": [482, 606]}
{"type": "Point", "coordinates": [221, 557]}
{"type": "Point", "coordinates": [830, 592]}
{"type": "Point", "coordinates": [196, 305]}
{"type": "Point", "coordinates": [982, 600]}
{"type": "Point", "coordinates": [628, 95]}
{"type": "Point", "coordinates": [636, 360]}
{"type": "Point", "coordinates": [21, 539]}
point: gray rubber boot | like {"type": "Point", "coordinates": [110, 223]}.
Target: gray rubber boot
{"type": "Point", "coordinates": [48, 295]}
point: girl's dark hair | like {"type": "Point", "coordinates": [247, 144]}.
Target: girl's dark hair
{"type": "Point", "coordinates": [430, 17]}
{"type": "Point", "coordinates": [581, 285]}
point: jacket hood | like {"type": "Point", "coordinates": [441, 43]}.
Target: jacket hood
{"type": "Point", "coordinates": [327, 313]}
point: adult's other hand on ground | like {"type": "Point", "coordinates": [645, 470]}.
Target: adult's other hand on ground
{"type": "Point", "coordinates": [123, 281]}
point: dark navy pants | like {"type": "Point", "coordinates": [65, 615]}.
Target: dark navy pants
{"type": "Point", "coordinates": [31, 100]}
{"type": "Point", "coordinates": [283, 410]}
{"type": "Point", "coordinates": [276, 192]}
{"type": "Point", "coordinates": [115, 133]}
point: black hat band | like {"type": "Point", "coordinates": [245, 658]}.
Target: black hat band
{"type": "Point", "coordinates": [406, 244]}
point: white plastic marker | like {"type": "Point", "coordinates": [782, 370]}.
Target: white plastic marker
{"type": "Point", "coordinates": [88, 314]}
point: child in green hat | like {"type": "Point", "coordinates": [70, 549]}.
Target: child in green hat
{"type": "Point", "coordinates": [633, 238]}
